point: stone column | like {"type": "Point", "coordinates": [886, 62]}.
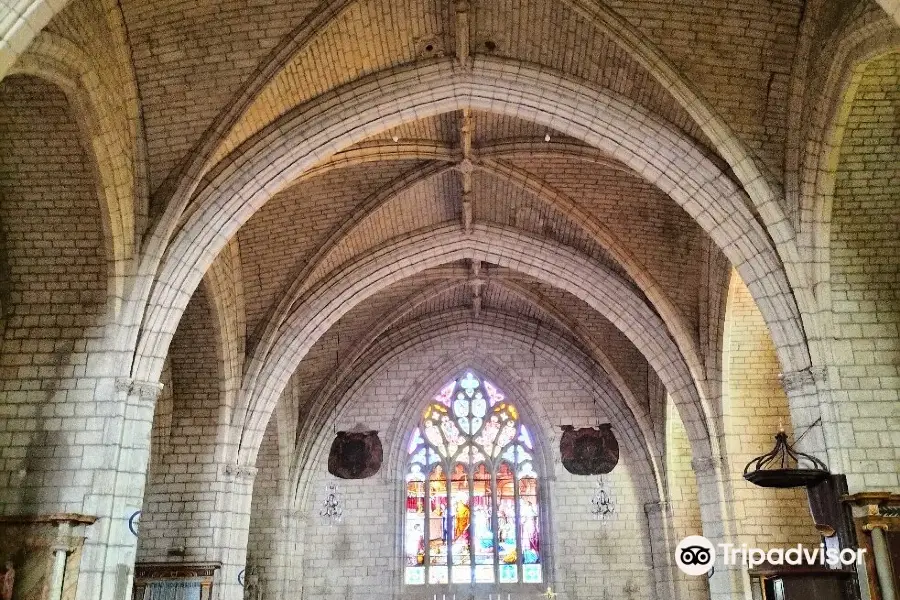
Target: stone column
{"type": "Point", "coordinates": [717, 516]}
{"type": "Point", "coordinates": [61, 548]}
{"type": "Point", "coordinates": [118, 477]}
{"type": "Point", "coordinates": [882, 558]}
{"type": "Point", "coordinates": [287, 566]}
{"type": "Point", "coordinates": [809, 400]}
{"type": "Point", "coordinates": [231, 526]}
{"type": "Point", "coordinates": [662, 547]}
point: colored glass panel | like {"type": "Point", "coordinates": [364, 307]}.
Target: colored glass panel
{"type": "Point", "coordinates": [415, 441]}
{"type": "Point", "coordinates": [508, 573]}
{"type": "Point", "coordinates": [529, 522]}
{"type": "Point", "coordinates": [525, 437]}
{"type": "Point", "coordinates": [506, 515]}
{"type": "Point", "coordinates": [488, 434]}
{"type": "Point", "coordinates": [438, 516]}
{"type": "Point", "coordinates": [484, 573]}
{"type": "Point", "coordinates": [418, 457]}
{"type": "Point", "coordinates": [462, 574]}
{"type": "Point", "coordinates": [433, 435]}
{"type": "Point", "coordinates": [493, 393]}
{"type": "Point", "coordinates": [482, 528]}
{"type": "Point", "coordinates": [451, 432]}
{"type": "Point", "coordinates": [507, 433]}
{"type": "Point", "coordinates": [415, 575]}
{"type": "Point", "coordinates": [461, 521]}
{"type": "Point", "coordinates": [531, 574]}
{"type": "Point", "coordinates": [415, 523]}
{"type": "Point", "coordinates": [479, 405]}
{"type": "Point", "coordinates": [446, 393]}
{"type": "Point", "coordinates": [482, 522]}
{"type": "Point", "coordinates": [438, 575]}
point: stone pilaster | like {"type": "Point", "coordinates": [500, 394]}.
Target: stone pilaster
{"type": "Point", "coordinates": [231, 527]}
{"type": "Point", "coordinates": [118, 492]}
{"type": "Point", "coordinates": [809, 400]}
{"type": "Point", "coordinates": [716, 504]}
{"type": "Point", "coordinates": [662, 547]}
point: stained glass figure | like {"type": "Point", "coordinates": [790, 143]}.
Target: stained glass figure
{"type": "Point", "coordinates": [529, 529]}
{"type": "Point", "coordinates": [506, 523]}
{"type": "Point", "coordinates": [483, 543]}
{"type": "Point", "coordinates": [462, 521]}
{"type": "Point", "coordinates": [482, 522]}
{"type": "Point", "coordinates": [415, 527]}
{"type": "Point", "coordinates": [438, 514]}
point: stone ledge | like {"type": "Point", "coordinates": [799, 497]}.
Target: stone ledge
{"type": "Point", "coordinates": [76, 518]}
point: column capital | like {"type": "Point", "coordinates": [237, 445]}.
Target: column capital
{"type": "Point", "coordinates": [295, 515]}
{"type": "Point", "coordinates": [877, 523]}
{"type": "Point", "coordinates": [793, 381]}
{"type": "Point", "coordinates": [148, 390]}
{"type": "Point", "coordinates": [661, 507]}
{"type": "Point", "coordinates": [240, 472]}
{"type": "Point", "coordinates": [706, 465]}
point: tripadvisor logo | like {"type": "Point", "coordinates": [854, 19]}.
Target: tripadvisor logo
{"type": "Point", "coordinates": [695, 555]}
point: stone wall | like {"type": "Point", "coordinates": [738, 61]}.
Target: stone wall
{"type": "Point", "coordinates": [865, 269]}
{"type": "Point", "coordinates": [358, 557]}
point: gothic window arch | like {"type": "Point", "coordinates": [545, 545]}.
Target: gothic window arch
{"type": "Point", "coordinates": [472, 512]}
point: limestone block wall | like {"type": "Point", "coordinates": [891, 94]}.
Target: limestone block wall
{"type": "Point", "coordinates": [54, 285]}
{"type": "Point", "coordinates": [738, 53]}
{"type": "Point", "coordinates": [358, 558]}
{"type": "Point", "coordinates": [100, 52]}
{"type": "Point", "coordinates": [190, 60]}
{"type": "Point", "coordinates": [865, 270]}
{"type": "Point", "coordinates": [181, 498]}
{"type": "Point", "coordinates": [754, 406]}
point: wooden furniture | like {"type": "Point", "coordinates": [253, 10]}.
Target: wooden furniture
{"type": "Point", "coordinates": [877, 520]}
{"type": "Point", "coordinates": [40, 553]}
{"type": "Point", "coordinates": [146, 575]}
{"type": "Point", "coordinates": [804, 583]}
{"type": "Point", "coordinates": [816, 581]}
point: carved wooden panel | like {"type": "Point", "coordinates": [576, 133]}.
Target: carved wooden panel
{"type": "Point", "coordinates": [355, 455]}
{"type": "Point", "coordinates": [193, 575]}
{"type": "Point", "coordinates": [590, 450]}
{"type": "Point", "coordinates": [26, 554]}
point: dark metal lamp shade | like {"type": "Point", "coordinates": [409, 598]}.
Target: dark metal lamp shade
{"type": "Point", "coordinates": [782, 467]}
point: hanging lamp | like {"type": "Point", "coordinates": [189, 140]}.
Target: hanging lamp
{"type": "Point", "coordinates": [785, 467]}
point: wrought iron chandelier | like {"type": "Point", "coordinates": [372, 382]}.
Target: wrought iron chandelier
{"type": "Point", "coordinates": [783, 467]}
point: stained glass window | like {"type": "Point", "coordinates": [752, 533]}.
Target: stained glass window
{"type": "Point", "coordinates": [472, 511]}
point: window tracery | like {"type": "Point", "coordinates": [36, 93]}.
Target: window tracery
{"type": "Point", "coordinates": [472, 508]}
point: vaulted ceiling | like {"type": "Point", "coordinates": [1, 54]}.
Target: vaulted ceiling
{"type": "Point", "coordinates": [213, 77]}
{"type": "Point", "coordinates": [216, 83]}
